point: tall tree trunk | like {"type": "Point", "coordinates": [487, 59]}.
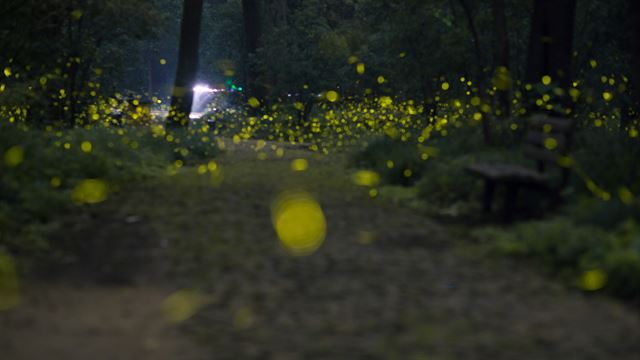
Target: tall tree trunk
{"type": "Point", "coordinates": [551, 41]}
{"type": "Point", "coordinates": [182, 97]}
{"type": "Point", "coordinates": [253, 33]}
{"type": "Point", "coordinates": [486, 126]}
{"type": "Point", "coordinates": [502, 74]}
{"type": "Point", "coordinates": [635, 53]}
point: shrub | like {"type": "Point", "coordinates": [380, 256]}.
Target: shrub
{"type": "Point", "coordinates": [39, 183]}
{"type": "Point", "coordinates": [570, 251]}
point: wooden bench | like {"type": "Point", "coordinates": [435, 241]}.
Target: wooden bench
{"type": "Point", "coordinates": [547, 141]}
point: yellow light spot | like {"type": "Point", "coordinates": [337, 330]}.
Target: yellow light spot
{"type": "Point", "coordinates": [366, 178]}
{"type": "Point", "coordinates": [593, 64]}
{"type": "Point", "coordinates": [76, 14]}
{"type": "Point", "coordinates": [352, 59]}
{"type": "Point", "coordinates": [373, 193]}
{"type": "Point", "coordinates": [14, 156]}
{"type": "Point", "coordinates": [477, 116]}
{"type": "Point", "coordinates": [381, 80]}
{"type": "Point", "coordinates": [390, 164]}
{"type": "Point", "coordinates": [9, 283]}
{"type": "Point", "coordinates": [407, 173]}
{"type": "Point", "coordinates": [90, 191]}
{"type": "Point", "coordinates": [7, 71]}
{"type": "Point", "coordinates": [260, 144]}
{"type": "Point", "coordinates": [360, 68]}
{"type": "Point", "coordinates": [202, 169]}
{"type": "Point", "coordinates": [55, 182]}
{"type": "Point", "coordinates": [550, 143]}
{"type": "Point", "coordinates": [299, 222]}
{"type": "Point", "coordinates": [445, 86]}
{"type": "Point", "coordinates": [593, 280]}
{"type": "Point", "coordinates": [385, 101]}
{"type": "Point", "coordinates": [299, 165]}
{"type": "Point", "coordinates": [565, 161]}
{"type": "Point", "coordinates": [626, 196]}
{"type": "Point", "coordinates": [546, 80]}
{"type": "Point", "coordinates": [366, 237]}
{"type": "Point", "coordinates": [607, 96]}
{"type": "Point", "coordinates": [86, 147]}
{"type": "Point", "coordinates": [163, 61]}
{"type": "Point", "coordinates": [502, 79]}
{"type": "Point", "coordinates": [183, 305]}
{"type": "Point", "coordinates": [475, 101]}
{"type": "Point", "coordinates": [212, 166]}
{"type": "Point", "coordinates": [332, 96]}
{"type": "Point", "coordinates": [253, 102]}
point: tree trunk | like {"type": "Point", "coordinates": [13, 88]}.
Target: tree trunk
{"type": "Point", "coordinates": [253, 33]}
{"type": "Point", "coordinates": [486, 126]}
{"type": "Point", "coordinates": [635, 53]}
{"type": "Point", "coordinates": [182, 97]}
{"type": "Point", "coordinates": [551, 41]}
{"type": "Point", "coordinates": [501, 57]}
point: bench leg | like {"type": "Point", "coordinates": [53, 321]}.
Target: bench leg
{"type": "Point", "coordinates": [487, 201]}
{"type": "Point", "coordinates": [510, 198]}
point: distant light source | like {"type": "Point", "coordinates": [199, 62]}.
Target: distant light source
{"type": "Point", "coordinates": [201, 88]}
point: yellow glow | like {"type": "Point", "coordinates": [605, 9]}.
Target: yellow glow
{"type": "Point", "coordinates": [445, 86]}
{"type": "Point", "coordinates": [366, 178]}
{"type": "Point", "coordinates": [299, 222]}
{"type": "Point", "coordinates": [626, 196]}
{"type": "Point", "coordinates": [299, 165]}
{"type": "Point", "coordinates": [253, 102]}
{"type": "Point", "coordinates": [550, 143]}
{"type": "Point", "coordinates": [90, 191]}
{"type": "Point", "coordinates": [360, 68]}
{"type": "Point", "coordinates": [332, 96]}
{"type": "Point", "coordinates": [14, 156]}
{"type": "Point", "coordinates": [182, 305]}
{"type": "Point", "coordinates": [593, 280]}
{"type": "Point", "coordinates": [86, 147]}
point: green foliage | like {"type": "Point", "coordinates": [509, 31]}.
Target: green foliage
{"type": "Point", "coordinates": [571, 251]}
{"type": "Point", "coordinates": [48, 176]}
{"type": "Point", "coordinates": [391, 159]}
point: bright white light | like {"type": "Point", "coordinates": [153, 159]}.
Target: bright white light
{"type": "Point", "coordinates": [203, 88]}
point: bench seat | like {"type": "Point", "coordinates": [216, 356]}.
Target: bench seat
{"type": "Point", "coordinates": [496, 172]}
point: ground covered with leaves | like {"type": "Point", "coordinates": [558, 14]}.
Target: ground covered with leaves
{"type": "Point", "coordinates": [189, 266]}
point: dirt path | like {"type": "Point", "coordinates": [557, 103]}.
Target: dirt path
{"type": "Point", "coordinates": [386, 283]}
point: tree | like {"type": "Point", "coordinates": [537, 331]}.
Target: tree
{"type": "Point", "coordinates": [502, 74]}
{"type": "Point", "coordinates": [635, 52]}
{"type": "Point", "coordinates": [253, 34]}
{"type": "Point", "coordinates": [551, 41]}
{"type": "Point", "coordinates": [182, 97]}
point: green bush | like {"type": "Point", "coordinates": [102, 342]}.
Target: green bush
{"type": "Point", "coordinates": [570, 251]}
{"type": "Point", "coordinates": [392, 159]}
{"type": "Point", "coordinates": [49, 164]}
